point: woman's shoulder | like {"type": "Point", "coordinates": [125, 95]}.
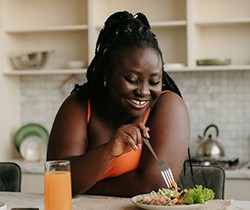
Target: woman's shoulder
{"type": "Point", "coordinates": [75, 100]}
{"type": "Point", "coordinates": [74, 106]}
{"type": "Point", "coordinates": [170, 96]}
{"type": "Point", "coordinates": [170, 101]}
{"type": "Point", "coordinates": [170, 111]}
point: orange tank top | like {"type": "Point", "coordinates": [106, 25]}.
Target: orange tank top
{"type": "Point", "coordinates": [124, 163]}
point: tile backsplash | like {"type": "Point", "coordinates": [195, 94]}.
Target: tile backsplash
{"type": "Point", "coordinates": [218, 97]}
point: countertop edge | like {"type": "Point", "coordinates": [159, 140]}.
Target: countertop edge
{"type": "Point", "coordinates": [37, 167]}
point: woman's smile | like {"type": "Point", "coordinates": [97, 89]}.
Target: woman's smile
{"type": "Point", "coordinates": [139, 104]}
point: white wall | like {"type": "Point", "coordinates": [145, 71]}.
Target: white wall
{"type": "Point", "coordinates": [9, 115]}
{"type": "Point", "coordinates": [222, 98]}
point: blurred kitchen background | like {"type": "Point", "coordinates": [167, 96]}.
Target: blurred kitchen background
{"type": "Point", "coordinates": [189, 31]}
{"type": "Point", "coordinates": [221, 98]}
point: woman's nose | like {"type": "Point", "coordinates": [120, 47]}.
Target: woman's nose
{"type": "Point", "coordinates": [142, 90]}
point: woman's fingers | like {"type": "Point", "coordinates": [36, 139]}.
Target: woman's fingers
{"type": "Point", "coordinates": [129, 137]}
{"type": "Point", "coordinates": [144, 130]}
{"type": "Point", "coordinates": [136, 132]}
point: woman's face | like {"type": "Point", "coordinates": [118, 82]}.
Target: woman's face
{"type": "Point", "coordinates": [135, 81]}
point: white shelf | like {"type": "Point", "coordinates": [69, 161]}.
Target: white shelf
{"type": "Point", "coordinates": [223, 22]}
{"type": "Point", "coordinates": [84, 71]}
{"type": "Point", "coordinates": [159, 24]}
{"type": "Point", "coordinates": [169, 23]}
{"type": "Point", "coordinates": [210, 68]}
{"type": "Point", "coordinates": [47, 29]}
{"type": "Point", "coordinates": [45, 72]}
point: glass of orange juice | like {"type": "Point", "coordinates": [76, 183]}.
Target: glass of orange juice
{"type": "Point", "coordinates": [57, 185]}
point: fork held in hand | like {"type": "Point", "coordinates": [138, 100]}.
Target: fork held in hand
{"type": "Point", "coordinates": [164, 168]}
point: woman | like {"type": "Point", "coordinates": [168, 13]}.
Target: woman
{"type": "Point", "coordinates": [100, 126]}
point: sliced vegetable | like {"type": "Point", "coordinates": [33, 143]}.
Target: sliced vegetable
{"type": "Point", "coordinates": [196, 195]}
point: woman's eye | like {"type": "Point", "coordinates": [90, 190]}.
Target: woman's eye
{"type": "Point", "coordinates": [134, 81]}
{"type": "Point", "coordinates": [153, 83]}
{"type": "Point", "coordinates": [137, 81]}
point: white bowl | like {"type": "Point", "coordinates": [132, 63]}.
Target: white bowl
{"type": "Point", "coordinates": [173, 66]}
{"type": "Point", "coordinates": [75, 64]}
{"type": "Point", "coordinates": [30, 60]}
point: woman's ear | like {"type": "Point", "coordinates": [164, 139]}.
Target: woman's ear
{"type": "Point", "coordinates": [105, 73]}
{"type": "Point", "coordinates": [104, 78]}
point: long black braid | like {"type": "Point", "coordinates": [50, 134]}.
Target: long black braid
{"type": "Point", "coordinates": [122, 31]}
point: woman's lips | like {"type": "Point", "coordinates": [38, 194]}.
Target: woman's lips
{"type": "Point", "coordinates": [138, 103]}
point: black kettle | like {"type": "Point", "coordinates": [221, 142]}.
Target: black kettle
{"type": "Point", "coordinates": [208, 146]}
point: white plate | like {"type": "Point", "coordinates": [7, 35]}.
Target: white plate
{"type": "Point", "coordinates": [30, 129]}
{"type": "Point", "coordinates": [33, 148]}
{"type": "Point", "coordinates": [155, 207]}
{"type": "Point", "coordinates": [3, 206]}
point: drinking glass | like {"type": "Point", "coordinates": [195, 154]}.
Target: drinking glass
{"type": "Point", "coordinates": [57, 185]}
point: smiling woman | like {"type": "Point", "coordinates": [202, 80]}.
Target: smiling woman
{"type": "Point", "coordinates": [128, 96]}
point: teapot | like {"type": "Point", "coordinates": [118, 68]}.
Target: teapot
{"type": "Point", "coordinates": [209, 146]}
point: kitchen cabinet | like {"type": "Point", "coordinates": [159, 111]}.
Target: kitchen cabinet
{"type": "Point", "coordinates": [32, 175]}
{"type": "Point", "coordinates": [59, 25]}
{"type": "Point", "coordinates": [237, 189]}
{"type": "Point", "coordinates": [220, 29]}
{"type": "Point", "coordinates": [187, 30]}
{"type": "Point", "coordinates": [237, 183]}
{"type": "Point", "coordinates": [32, 183]}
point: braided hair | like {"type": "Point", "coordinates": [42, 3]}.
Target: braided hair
{"type": "Point", "coordinates": [122, 31]}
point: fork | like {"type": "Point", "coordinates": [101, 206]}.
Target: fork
{"type": "Point", "coordinates": [164, 168]}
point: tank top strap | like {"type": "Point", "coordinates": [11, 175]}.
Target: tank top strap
{"type": "Point", "coordinates": [145, 118]}
{"type": "Point", "coordinates": [88, 111]}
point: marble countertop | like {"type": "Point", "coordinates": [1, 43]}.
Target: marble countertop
{"type": "Point", "coordinates": [23, 200]}
{"type": "Point", "coordinates": [239, 173]}
{"type": "Point", "coordinates": [30, 167]}
{"type": "Point", "coordinates": [38, 168]}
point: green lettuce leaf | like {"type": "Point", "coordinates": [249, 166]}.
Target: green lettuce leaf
{"type": "Point", "coordinates": [199, 194]}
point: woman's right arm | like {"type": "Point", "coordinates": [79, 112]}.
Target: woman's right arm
{"type": "Point", "coordinates": [68, 140]}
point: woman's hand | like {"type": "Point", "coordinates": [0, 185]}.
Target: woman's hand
{"type": "Point", "coordinates": [127, 137]}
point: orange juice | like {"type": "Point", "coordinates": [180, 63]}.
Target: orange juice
{"type": "Point", "coordinates": [57, 190]}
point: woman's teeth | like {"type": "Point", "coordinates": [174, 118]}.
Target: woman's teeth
{"type": "Point", "coordinates": [139, 104]}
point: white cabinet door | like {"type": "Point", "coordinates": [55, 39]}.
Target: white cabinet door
{"type": "Point", "coordinates": [237, 189]}
{"type": "Point", "coordinates": [32, 183]}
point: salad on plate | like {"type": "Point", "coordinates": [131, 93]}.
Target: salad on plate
{"type": "Point", "coordinates": [169, 197]}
